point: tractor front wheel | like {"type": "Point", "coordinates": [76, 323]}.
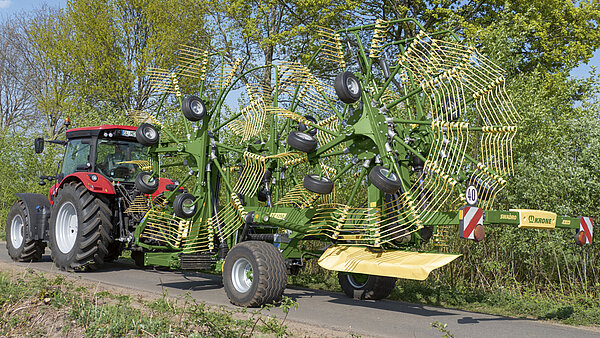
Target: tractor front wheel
{"type": "Point", "coordinates": [254, 274]}
{"type": "Point", "coordinates": [361, 286]}
{"type": "Point", "coordinates": [80, 229]}
{"type": "Point", "coordinates": [18, 242]}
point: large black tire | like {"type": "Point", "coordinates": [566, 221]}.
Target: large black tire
{"type": "Point", "coordinates": [80, 228]}
{"type": "Point", "coordinates": [193, 108]}
{"type": "Point", "coordinates": [301, 141]}
{"type": "Point", "coordinates": [320, 185]}
{"type": "Point", "coordinates": [379, 177]}
{"type": "Point", "coordinates": [146, 134]}
{"type": "Point", "coordinates": [347, 87]}
{"type": "Point", "coordinates": [145, 183]}
{"type": "Point", "coordinates": [184, 206]}
{"type": "Point", "coordinates": [304, 128]}
{"type": "Point", "coordinates": [254, 274]}
{"type": "Point", "coordinates": [19, 244]}
{"type": "Point", "coordinates": [366, 286]}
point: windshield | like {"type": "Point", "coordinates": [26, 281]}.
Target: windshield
{"type": "Point", "coordinates": [119, 159]}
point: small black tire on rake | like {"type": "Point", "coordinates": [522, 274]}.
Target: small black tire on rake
{"type": "Point", "coordinates": [347, 87]}
{"type": "Point", "coordinates": [302, 141]}
{"type": "Point", "coordinates": [145, 183]}
{"type": "Point", "coordinates": [193, 108]}
{"type": "Point", "coordinates": [184, 205]}
{"type": "Point", "coordinates": [146, 134]}
{"type": "Point", "coordinates": [317, 184]}
{"type": "Point", "coordinates": [385, 179]}
{"type": "Point", "coordinates": [304, 128]}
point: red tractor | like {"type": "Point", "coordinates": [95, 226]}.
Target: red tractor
{"type": "Point", "coordinates": [83, 219]}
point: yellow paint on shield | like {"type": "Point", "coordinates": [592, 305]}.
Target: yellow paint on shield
{"type": "Point", "coordinates": [400, 264]}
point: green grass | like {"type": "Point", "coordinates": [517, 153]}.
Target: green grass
{"type": "Point", "coordinates": [33, 304]}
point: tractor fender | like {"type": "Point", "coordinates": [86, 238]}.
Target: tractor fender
{"type": "Point", "coordinates": [38, 214]}
{"type": "Point", "coordinates": [101, 186]}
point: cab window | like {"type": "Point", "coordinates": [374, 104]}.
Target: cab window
{"type": "Point", "coordinates": [119, 159]}
{"type": "Point", "coordinates": [77, 153]}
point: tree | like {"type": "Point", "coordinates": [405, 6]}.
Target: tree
{"type": "Point", "coordinates": [260, 32]}
{"type": "Point", "coordinates": [107, 46]}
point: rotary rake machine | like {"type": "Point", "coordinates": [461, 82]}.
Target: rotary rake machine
{"type": "Point", "coordinates": [369, 167]}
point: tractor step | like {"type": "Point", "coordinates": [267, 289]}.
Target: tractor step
{"type": "Point", "coordinates": [200, 261]}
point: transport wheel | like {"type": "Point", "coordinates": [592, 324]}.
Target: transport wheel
{"type": "Point", "coordinates": [320, 185]}
{"type": "Point", "coordinates": [80, 228]}
{"type": "Point", "coordinates": [146, 134]}
{"type": "Point", "coordinates": [193, 108]}
{"type": "Point", "coordinates": [18, 242]}
{"type": "Point", "coordinates": [184, 205]}
{"type": "Point", "coordinates": [301, 141]}
{"type": "Point", "coordinates": [361, 286]}
{"type": "Point", "coordinates": [254, 274]}
{"type": "Point", "coordinates": [145, 183]}
{"type": "Point", "coordinates": [347, 87]}
{"type": "Point", "coordinates": [303, 128]}
{"type": "Point", "coordinates": [384, 179]}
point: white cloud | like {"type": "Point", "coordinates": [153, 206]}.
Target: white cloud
{"type": "Point", "coordinates": [5, 3]}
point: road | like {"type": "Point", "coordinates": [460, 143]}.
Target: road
{"type": "Point", "coordinates": [322, 309]}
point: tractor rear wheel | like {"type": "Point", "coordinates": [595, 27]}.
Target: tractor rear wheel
{"type": "Point", "coordinates": [254, 274]}
{"type": "Point", "coordinates": [361, 286]}
{"type": "Point", "coordinates": [80, 229]}
{"type": "Point", "coordinates": [18, 242]}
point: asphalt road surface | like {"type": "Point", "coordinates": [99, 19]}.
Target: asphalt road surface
{"type": "Point", "coordinates": [328, 310]}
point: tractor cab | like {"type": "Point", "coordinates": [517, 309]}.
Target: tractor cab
{"type": "Point", "coordinates": [109, 150]}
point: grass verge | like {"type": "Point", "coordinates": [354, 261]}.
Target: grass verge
{"type": "Point", "coordinates": [34, 304]}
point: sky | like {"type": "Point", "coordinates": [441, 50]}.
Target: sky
{"type": "Point", "coordinates": [9, 7]}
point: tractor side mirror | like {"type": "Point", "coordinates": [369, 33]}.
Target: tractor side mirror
{"type": "Point", "coordinates": [38, 145]}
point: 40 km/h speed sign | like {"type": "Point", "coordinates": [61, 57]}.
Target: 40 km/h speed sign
{"type": "Point", "coordinates": [471, 195]}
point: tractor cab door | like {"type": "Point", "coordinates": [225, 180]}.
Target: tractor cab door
{"type": "Point", "coordinates": [77, 157]}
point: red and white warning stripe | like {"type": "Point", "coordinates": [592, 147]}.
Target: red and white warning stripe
{"type": "Point", "coordinates": [471, 217]}
{"type": "Point", "coordinates": [586, 224]}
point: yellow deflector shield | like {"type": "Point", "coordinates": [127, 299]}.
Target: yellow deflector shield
{"type": "Point", "coordinates": [400, 264]}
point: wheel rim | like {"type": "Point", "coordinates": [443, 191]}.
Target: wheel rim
{"type": "Point", "coordinates": [391, 177]}
{"type": "Point", "coordinates": [188, 206]}
{"type": "Point", "coordinates": [304, 136]}
{"type": "Point", "coordinates": [241, 275]}
{"type": "Point", "coordinates": [320, 178]}
{"type": "Point", "coordinates": [150, 133]}
{"type": "Point", "coordinates": [358, 281]}
{"type": "Point", "coordinates": [352, 85]}
{"type": "Point", "coordinates": [197, 107]}
{"type": "Point", "coordinates": [67, 225]}
{"type": "Point", "coordinates": [16, 231]}
{"type": "Point", "coordinates": [148, 180]}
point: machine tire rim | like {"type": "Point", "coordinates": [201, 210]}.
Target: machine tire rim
{"type": "Point", "coordinates": [150, 133]}
{"type": "Point", "coordinates": [16, 231]}
{"type": "Point", "coordinates": [352, 85]}
{"type": "Point", "coordinates": [197, 107]}
{"type": "Point", "coordinates": [67, 225]}
{"type": "Point", "coordinates": [188, 206]}
{"type": "Point", "coordinates": [320, 178]}
{"type": "Point", "coordinates": [241, 275]}
{"type": "Point", "coordinates": [391, 177]}
{"type": "Point", "coordinates": [148, 180]}
{"type": "Point", "coordinates": [304, 136]}
{"type": "Point", "coordinates": [357, 281]}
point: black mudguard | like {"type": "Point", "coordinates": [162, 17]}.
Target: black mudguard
{"type": "Point", "coordinates": [38, 214]}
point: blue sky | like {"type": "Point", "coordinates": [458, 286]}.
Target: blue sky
{"type": "Point", "coordinates": [9, 7]}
